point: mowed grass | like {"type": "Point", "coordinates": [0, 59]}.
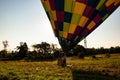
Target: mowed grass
{"type": "Point", "coordinates": [101, 68]}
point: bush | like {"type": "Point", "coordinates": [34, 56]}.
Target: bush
{"type": "Point", "coordinates": [93, 57]}
{"type": "Point", "coordinates": [56, 54]}
{"type": "Point", "coordinates": [3, 77]}
{"type": "Point", "coordinates": [12, 76]}
{"type": "Point", "coordinates": [107, 55]}
{"type": "Point", "coordinates": [9, 76]}
{"type": "Point", "coordinates": [81, 55]}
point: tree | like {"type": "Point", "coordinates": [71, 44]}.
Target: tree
{"type": "Point", "coordinates": [42, 48]}
{"type": "Point", "coordinates": [53, 48]}
{"type": "Point", "coordinates": [37, 47]}
{"type": "Point", "coordinates": [3, 53]}
{"type": "Point", "coordinates": [79, 51]}
{"type": "Point", "coordinates": [23, 49]}
{"type": "Point", "coordinates": [5, 44]}
{"type": "Point", "coordinates": [45, 47]}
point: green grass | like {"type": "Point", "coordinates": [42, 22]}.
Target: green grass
{"type": "Point", "coordinates": [101, 68]}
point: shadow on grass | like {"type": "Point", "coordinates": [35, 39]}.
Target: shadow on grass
{"type": "Point", "coordinates": [89, 75]}
{"type": "Point", "coordinates": [27, 60]}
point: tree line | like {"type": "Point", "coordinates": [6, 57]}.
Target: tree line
{"type": "Point", "coordinates": [46, 51]}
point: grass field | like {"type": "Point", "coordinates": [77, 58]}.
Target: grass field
{"type": "Point", "coordinates": [101, 68]}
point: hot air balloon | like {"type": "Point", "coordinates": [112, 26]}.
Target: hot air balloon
{"type": "Point", "coordinates": [73, 20]}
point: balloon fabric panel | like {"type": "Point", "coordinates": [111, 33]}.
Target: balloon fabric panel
{"type": "Point", "coordinates": [68, 6]}
{"type": "Point", "coordinates": [73, 20]}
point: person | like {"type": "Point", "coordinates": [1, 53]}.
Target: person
{"type": "Point", "coordinates": [62, 59]}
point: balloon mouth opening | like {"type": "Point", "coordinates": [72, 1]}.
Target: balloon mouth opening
{"type": "Point", "coordinates": [66, 45]}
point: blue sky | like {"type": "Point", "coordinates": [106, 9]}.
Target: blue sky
{"type": "Point", "coordinates": [26, 21]}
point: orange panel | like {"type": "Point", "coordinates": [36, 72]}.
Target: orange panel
{"type": "Point", "coordinates": [79, 8]}
{"type": "Point", "coordinates": [65, 34]}
{"type": "Point", "coordinates": [91, 25]}
{"type": "Point", "coordinates": [47, 5]}
{"type": "Point", "coordinates": [109, 2]}
{"type": "Point", "coordinates": [72, 28]}
{"type": "Point", "coordinates": [54, 15]}
{"type": "Point", "coordinates": [52, 23]}
{"type": "Point", "coordinates": [83, 21]}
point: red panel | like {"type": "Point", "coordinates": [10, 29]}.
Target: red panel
{"type": "Point", "coordinates": [85, 32]}
{"type": "Point", "coordinates": [60, 16]}
{"type": "Point", "coordinates": [97, 18]}
{"type": "Point", "coordinates": [83, 1]}
{"type": "Point", "coordinates": [69, 36]}
{"type": "Point", "coordinates": [88, 11]}
{"type": "Point", "coordinates": [52, 4]}
{"type": "Point", "coordinates": [78, 30]}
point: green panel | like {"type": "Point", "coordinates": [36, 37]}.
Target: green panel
{"type": "Point", "coordinates": [50, 15]}
{"type": "Point", "coordinates": [100, 4]}
{"type": "Point", "coordinates": [79, 39]}
{"type": "Point", "coordinates": [66, 27]}
{"type": "Point", "coordinates": [68, 5]}
{"type": "Point", "coordinates": [76, 38]}
{"type": "Point", "coordinates": [105, 17]}
{"type": "Point", "coordinates": [73, 4]}
{"type": "Point", "coordinates": [75, 19]}
{"type": "Point", "coordinates": [44, 6]}
{"type": "Point", "coordinates": [60, 34]}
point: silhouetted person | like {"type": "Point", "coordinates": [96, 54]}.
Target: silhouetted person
{"type": "Point", "coordinates": [62, 59]}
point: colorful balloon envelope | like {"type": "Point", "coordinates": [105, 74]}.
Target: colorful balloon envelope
{"type": "Point", "coordinates": [73, 20]}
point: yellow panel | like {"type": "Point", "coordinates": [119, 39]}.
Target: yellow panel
{"type": "Point", "coordinates": [109, 2]}
{"type": "Point", "coordinates": [54, 15]}
{"type": "Point", "coordinates": [72, 28]}
{"type": "Point", "coordinates": [83, 21]}
{"type": "Point", "coordinates": [47, 5]}
{"type": "Point", "coordinates": [52, 23]}
{"type": "Point", "coordinates": [65, 34]}
{"type": "Point", "coordinates": [91, 25]}
{"type": "Point", "coordinates": [79, 8]}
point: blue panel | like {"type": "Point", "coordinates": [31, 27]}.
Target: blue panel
{"type": "Point", "coordinates": [103, 12]}
{"type": "Point", "coordinates": [59, 4]}
{"type": "Point", "coordinates": [60, 26]}
{"type": "Point", "coordinates": [67, 17]}
{"type": "Point", "coordinates": [93, 3]}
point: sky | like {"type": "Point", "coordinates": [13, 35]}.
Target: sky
{"type": "Point", "coordinates": [26, 21]}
